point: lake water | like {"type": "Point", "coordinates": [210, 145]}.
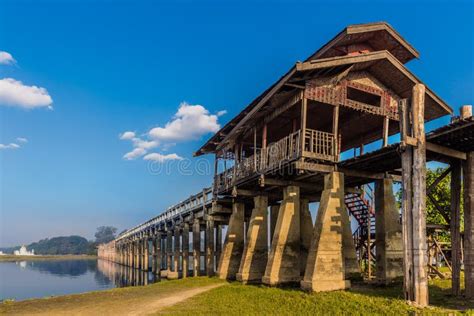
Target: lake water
{"type": "Point", "coordinates": [34, 279]}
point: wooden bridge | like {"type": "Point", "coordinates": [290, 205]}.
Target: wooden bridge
{"type": "Point", "coordinates": [304, 141]}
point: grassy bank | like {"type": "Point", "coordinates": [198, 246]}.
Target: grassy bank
{"type": "Point", "coordinates": [237, 299]}
{"type": "Point", "coordinates": [44, 257]}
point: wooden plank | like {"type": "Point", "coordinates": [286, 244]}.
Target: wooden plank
{"type": "Point", "coordinates": [309, 166]}
{"type": "Point", "coordinates": [455, 227]}
{"type": "Point", "coordinates": [445, 151]}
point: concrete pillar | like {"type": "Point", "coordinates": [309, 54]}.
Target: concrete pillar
{"type": "Point", "coordinates": [234, 244]}
{"type": "Point", "coordinates": [351, 264]}
{"type": "Point", "coordinates": [146, 254]}
{"type": "Point", "coordinates": [273, 219]}
{"type": "Point", "coordinates": [283, 264]}
{"type": "Point", "coordinates": [468, 178]}
{"type": "Point", "coordinates": [218, 243]}
{"type": "Point", "coordinates": [174, 272]}
{"type": "Point", "coordinates": [153, 254]}
{"type": "Point", "coordinates": [185, 267]}
{"type": "Point", "coordinates": [325, 265]}
{"type": "Point", "coordinates": [210, 247]}
{"type": "Point", "coordinates": [196, 247]}
{"type": "Point", "coordinates": [306, 233]}
{"type": "Point", "coordinates": [255, 254]}
{"type": "Point", "coordinates": [388, 233]}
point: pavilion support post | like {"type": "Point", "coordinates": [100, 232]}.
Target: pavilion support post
{"type": "Point", "coordinates": [306, 233]}
{"type": "Point", "coordinates": [456, 227]}
{"type": "Point", "coordinates": [185, 245]}
{"type": "Point", "coordinates": [468, 178]}
{"type": "Point", "coordinates": [196, 247]}
{"type": "Point", "coordinates": [210, 247]}
{"type": "Point", "coordinates": [255, 254]}
{"type": "Point", "coordinates": [234, 244]}
{"type": "Point", "coordinates": [414, 200]}
{"type": "Point", "coordinates": [174, 272]}
{"type": "Point", "coordinates": [325, 267]}
{"type": "Point", "coordinates": [388, 233]}
{"type": "Point", "coordinates": [283, 264]}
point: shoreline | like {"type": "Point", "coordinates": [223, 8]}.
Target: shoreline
{"type": "Point", "coordinates": [13, 258]}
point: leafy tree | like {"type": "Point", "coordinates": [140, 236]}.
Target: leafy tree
{"type": "Point", "coordinates": [442, 195]}
{"type": "Point", "coordinates": [105, 234]}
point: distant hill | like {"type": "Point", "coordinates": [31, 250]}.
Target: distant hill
{"type": "Point", "coordinates": [70, 245]}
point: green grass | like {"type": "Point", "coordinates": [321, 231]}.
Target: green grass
{"type": "Point", "coordinates": [238, 299]}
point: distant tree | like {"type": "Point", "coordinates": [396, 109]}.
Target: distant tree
{"type": "Point", "coordinates": [105, 234]}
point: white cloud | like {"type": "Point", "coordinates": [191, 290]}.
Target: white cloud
{"type": "Point", "coordinates": [134, 154]}
{"type": "Point", "coordinates": [6, 58]}
{"type": "Point", "coordinates": [223, 112]}
{"type": "Point", "coordinates": [161, 158]}
{"type": "Point", "coordinates": [127, 135]}
{"type": "Point", "coordinates": [22, 140]}
{"type": "Point", "coordinates": [190, 122]}
{"type": "Point", "coordinates": [9, 146]}
{"type": "Point", "coordinates": [15, 93]}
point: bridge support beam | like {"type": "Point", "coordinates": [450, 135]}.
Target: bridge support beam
{"type": "Point", "coordinates": [210, 247]}
{"type": "Point", "coordinates": [468, 178]}
{"type": "Point", "coordinates": [255, 254]}
{"type": "Point", "coordinates": [306, 233]}
{"type": "Point", "coordinates": [185, 245]}
{"type": "Point", "coordinates": [325, 267]}
{"type": "Point", "coordinates": [146, 254]}
{"type": "Point", "coordinates": [283, 264]}
{"type": "Point", "coordinates": [196, 247]}
{"type": "Point", "coordinates": [173, 273]}
{"type": "Point", "coordinates": [234, 244]}
{"type": "Point", "coordinates": [388, 233]}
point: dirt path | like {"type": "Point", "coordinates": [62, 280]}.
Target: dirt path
{"type": "Point", "coordinates": [142, 302]}
{"type": "Point", "coordinates": [163, 302]}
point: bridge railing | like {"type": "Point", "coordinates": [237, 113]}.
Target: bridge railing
{"type": "Point", "coordinates": [194, 202]}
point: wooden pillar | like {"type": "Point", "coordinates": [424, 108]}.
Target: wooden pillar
{"type": "Point", "coordinates": [169, 248]}
{"type": "Point", "coordinates": [456, 227]}
{"type": "Point", "coordinates": [210, 247]}
{"type": "Point", "coordinates": [196, 247]}
{"type": "Point", "coordinates": [234, 244]}
{"type": "Point", "coordinates": [468, 178]}
{"type": "Point", "coordinates": [335, 129]}
{"type": "Point", "coordinates": [174, 272]}
{"type": "Point", "coordinates": [304, 110]}
{"type": "Point", "coordinates": [185, 245]}
{"type": "Point", "coordinates": [386, 126]}
{"type": "Point", "coordinates": [146, 254]}
{"type": "Point", "coordinates": [158, 253]}
{"type": "Point", "coordinates": [414, 200]}
{"type": "Point", "coordinates": [153, 253]}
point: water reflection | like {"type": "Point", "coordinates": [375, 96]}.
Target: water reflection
{"type": "Point", "coordinates": [30, 279]}
{"type": "Point", "coordinates": [61, 268]}
{"type": "Point", "coordinates": [122, 276]}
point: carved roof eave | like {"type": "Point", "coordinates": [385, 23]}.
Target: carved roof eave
{"type": "Point", "coordinates": [237, 125]}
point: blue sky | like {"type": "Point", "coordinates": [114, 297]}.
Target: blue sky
{"type": "Point", "coordinates": [111, 67]}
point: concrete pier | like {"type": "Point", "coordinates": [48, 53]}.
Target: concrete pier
{"type": "Point", "coordinates": [283, 264]}
{"type": "Point", "coordinates": [255, 254]}
{"type": "Point", "coordinates": [325, 268]}
{"type": "Point", "coordinates": [229, 262]}
{"type": "Point", "coordinates": [388, 236]}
